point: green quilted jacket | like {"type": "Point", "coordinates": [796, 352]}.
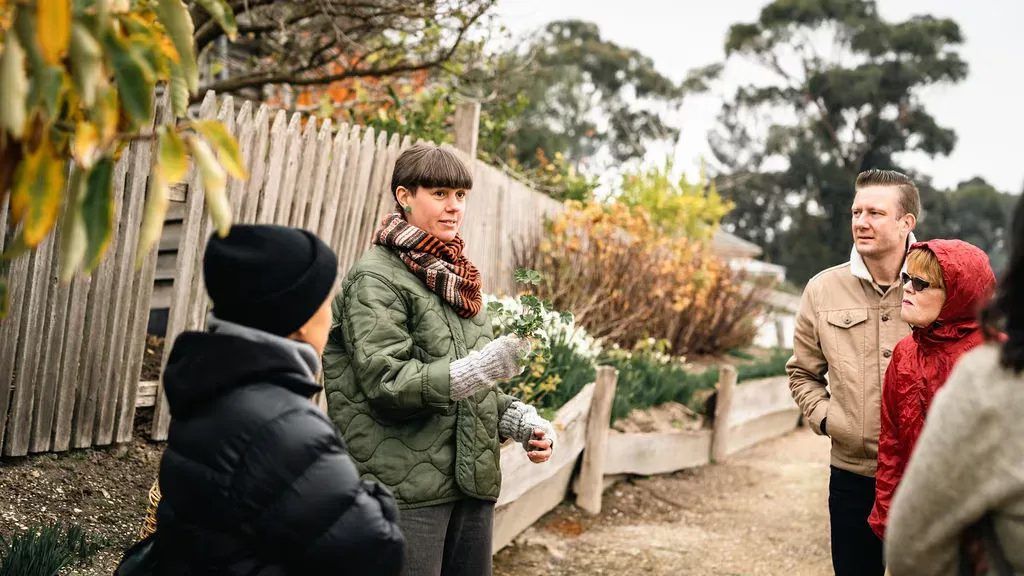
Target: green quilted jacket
{"type": "Point", "coordinates": [386, 371]}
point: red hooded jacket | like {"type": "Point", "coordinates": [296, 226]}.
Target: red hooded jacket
{"type": "Point", "coordinates": [922, 361]}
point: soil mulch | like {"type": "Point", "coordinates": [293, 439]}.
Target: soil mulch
{"type": "Point", "coordinates": [152, 358]}
{"type": "Point", "coordinates": [104, 490]}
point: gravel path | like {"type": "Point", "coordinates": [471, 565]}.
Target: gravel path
{"type": "Point", "coordinates": [764, 511]}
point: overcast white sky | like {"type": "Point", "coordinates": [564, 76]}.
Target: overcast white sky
{"type": "Point", "coordinates": [986, 110]}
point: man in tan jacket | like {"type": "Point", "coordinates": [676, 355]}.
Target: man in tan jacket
{"type": "Point", "coordinates": [848, 324]}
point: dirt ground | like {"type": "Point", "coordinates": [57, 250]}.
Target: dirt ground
{"type": "Point", "coordinates": [103, 490]}
{"type": "Point", "coordinates": [762, 512]}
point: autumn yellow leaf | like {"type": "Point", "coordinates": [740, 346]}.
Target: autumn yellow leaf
{"type": "Point", "coordinates": [53, 22]}
{"type": "Point", "coordinates": [172, 158]}
{"type": "Point", "coordinates": [215, 181]}
{"type": "Point", "coordinates": [36, 196]}
{"type": "Point", "coordinates": [98, 211]}
{"type": "Point", "coordinates": [178, 86]}
{"type": "Point", "coordinates": [178, 23]}
{"type": "Point", "coordinates": [224, 143]}
{"type": "Point", "coordinates": [73, 240]}
{"type": "Point", "coordinates": [223, 15]}
{"type": "Point", "coordinates": [13, 87]}
{"type": "Point", "coordinates": [153, 216]}
{"type": "Point", "coordinates": [86, 144]}
{"type": "Point", "coordinates": [105, 114]}
{"type": "Point", "coordinates": [86, 63]}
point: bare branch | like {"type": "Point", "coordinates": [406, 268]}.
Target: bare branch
{"type": "Point", "coordinates": [301, 65]}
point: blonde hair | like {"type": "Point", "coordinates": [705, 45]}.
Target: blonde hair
{"type": "Point", "coordinates": [921, 262]}
{"type": "Point", "coordinates": [910, 198]}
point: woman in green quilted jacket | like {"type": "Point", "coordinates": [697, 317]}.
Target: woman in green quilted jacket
{"type": "Point", "coordinates": [412, 370]}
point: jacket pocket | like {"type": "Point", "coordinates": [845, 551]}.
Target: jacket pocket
{"type": "Point", "coordinates": [846, 334]}
{"type": "Point", "coordinates": [843, 339]}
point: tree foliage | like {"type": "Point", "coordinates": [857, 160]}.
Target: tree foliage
{"type": "Point", "coordinates": [77, 82]}
{"type": "Point", "coordinates": [975, 212]}
{"type": "Point", "coordinates": [843, 96]}
{"type": "Point", "coordinates": [675, 206]}
{"type": "Point", "coordinates": [557, 107]}
{"type": "Point", "coordinates": [320, 42]}
{"type": "Point", "coordinates": [583, 95]}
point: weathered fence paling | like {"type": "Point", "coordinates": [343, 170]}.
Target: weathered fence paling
{"type": "Point", "coordinates": [71, 354]}
{"type": "Point", "coordinates": [590, 482]}
{"type": "Point", "coordinates": [723, 406]}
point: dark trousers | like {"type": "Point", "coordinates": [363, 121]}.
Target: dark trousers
{"type": "Point", "coordinates": [856, 551]}
{"type": "Point", "coordinates": [448, 540]}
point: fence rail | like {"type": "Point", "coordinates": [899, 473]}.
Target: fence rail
{"type": "Point", "coordinates": [71, 354]}
{"type": "Point", "coordinates": [528, 491]}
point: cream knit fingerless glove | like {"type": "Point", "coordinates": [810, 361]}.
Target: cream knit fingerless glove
{"type": "Point", "coordinates": [519, 421]}
{"type": "Point", "coordinates": [498, 360]}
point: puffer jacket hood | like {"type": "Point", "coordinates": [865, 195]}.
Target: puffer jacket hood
{"type": "Point", "coordinates": [922, 362]}
{"type": "Point", "coordinates": [205, 365]}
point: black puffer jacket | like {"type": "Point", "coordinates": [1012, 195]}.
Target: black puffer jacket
{"type": "Point", "coordinates": [255, 479]}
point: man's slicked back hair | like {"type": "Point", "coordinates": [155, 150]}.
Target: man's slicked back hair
{"type": "Point", "coordinates": [910, 198]}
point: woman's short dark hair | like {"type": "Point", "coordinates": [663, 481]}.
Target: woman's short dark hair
{"type": "Point", "coordinates": [429, 166]}
{"type": "Point", "coordinates": [1006, 312]}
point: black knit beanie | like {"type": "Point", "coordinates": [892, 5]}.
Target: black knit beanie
{"type": "Point", "coordinates": [272, 278]}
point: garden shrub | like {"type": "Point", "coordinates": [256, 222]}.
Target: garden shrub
{"type": "Point", "coordinates": [649, 377]}
{"type": "Point", "coordinates": [627, 281]}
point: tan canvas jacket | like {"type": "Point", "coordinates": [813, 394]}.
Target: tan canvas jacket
{"type": "Point", "coordinates": [846, 329]}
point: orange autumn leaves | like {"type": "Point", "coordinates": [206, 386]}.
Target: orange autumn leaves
{"type": "Point", "coordinates": [626, 280]}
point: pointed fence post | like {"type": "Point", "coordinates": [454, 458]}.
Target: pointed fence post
{"type": "Point", "coordinates": [467, 126]}
{"type": "Point", "coordinates": [590, 483]}
{"type": "Point", "coordinates": [723, 406]}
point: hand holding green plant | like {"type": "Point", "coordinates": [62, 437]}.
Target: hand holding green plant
{"type": "Point", "coordinates": [529, 322]}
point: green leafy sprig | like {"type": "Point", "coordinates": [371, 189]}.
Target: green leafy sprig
{"type": "Point", "coordinates": [529, 322]}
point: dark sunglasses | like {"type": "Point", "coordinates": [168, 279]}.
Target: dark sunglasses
{"type": "Point", "coordinates": [919, 284]}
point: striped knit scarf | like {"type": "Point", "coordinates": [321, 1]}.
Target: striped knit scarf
{"type": "Point", "coordinates": [442, 267]}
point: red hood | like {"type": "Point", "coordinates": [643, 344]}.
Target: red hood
{"type": "Point", "coordinates": [969, 285]}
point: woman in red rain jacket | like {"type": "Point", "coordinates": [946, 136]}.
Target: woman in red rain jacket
{"type": "Point", "coordinates": [945, 284]}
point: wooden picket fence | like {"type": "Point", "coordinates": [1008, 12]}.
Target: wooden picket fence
{"type": "Point", "coordinates": [71, 354]}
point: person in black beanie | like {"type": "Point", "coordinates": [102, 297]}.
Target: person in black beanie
{"type": "Point", "coordinates": [255, 479]}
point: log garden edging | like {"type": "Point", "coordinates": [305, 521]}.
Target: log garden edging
{"type": "Point", "coordinates": [590, 457]}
